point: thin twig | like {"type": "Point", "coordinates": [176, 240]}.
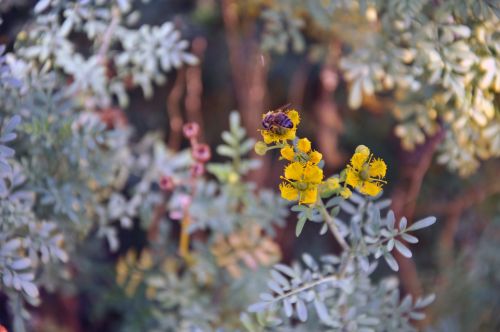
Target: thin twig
{"type": "Point", "coordinates": [108, 34]}
{"type": "Point", "coordinates": [332, 226]}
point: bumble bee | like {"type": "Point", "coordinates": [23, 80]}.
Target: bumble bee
{"type": "Point", "coordinates": [277, 121]}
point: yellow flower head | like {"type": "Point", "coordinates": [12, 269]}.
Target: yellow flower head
{"type": "Point", "coordinates": [304, 145]}
{"type": "Point", "coordinates": [302, 181]}
{"type": "Point", "coordinates": [279, 126]}
{"type": "Point", "coordinates": [315, 157]}
{"type": "Point", "coordinates": [302, 152]}
{"type": "Point", "coordinates": [366, 173]}
{"type": "Point", "coordinates": [287, 153]}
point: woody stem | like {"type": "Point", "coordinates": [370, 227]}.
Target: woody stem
{"type": "Point", "coordinates": [331, 224]}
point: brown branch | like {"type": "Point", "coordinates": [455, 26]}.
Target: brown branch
{"type": "Point", "coordinates": [249, 69]}
{"type": "Point", "coordinates": [154, 227]}
{"type": "Point", "coordinates": [194, 86]}
{"type": "Point", "coordinates": [404, 200]}
{"type": "Point", "coordinates": [231, 25]}
{"type": "Point", "coordinates": [298, 83]}
{"type": "Point", "coordinates": [453, 210]}
{"type": "Point", "coordinates": [174, 111]}
{"type": "Point", "coordinates": [329, 124]}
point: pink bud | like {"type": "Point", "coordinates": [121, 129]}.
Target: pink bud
{"type": "Point", "coordinates": [197, 170]}
{"type": "Point", "coordinates": [201, 153]}
{"type": "Point", "coordinates": [166, 183]}
{"type": "Point", "coordinates": [185, 201]}
{"type": "Point", "coordinates": [191, 130]}
{"type": "Point", "coordinates": [175, 215]}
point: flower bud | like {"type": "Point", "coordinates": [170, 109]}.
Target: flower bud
{"type": "Point", "coordinates": [201, 153]}
{"type": "Point", "coordinates": [166, 183]}
{"type": "Point", "coordinates": [191, 130]}
{"type": "Point", "coordinates": [362, 149]}
{"type": "Point", "coordinates": [260, 148]}
{"type": "Point", "coordinates": [233, 178]}
{"type": "Point", "coordinates": [197, 170]}
{"type": "Point", "coordinates": [345, 193]}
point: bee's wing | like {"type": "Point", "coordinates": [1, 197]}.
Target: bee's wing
{"type": "Point", "coordinates": [283, 107]}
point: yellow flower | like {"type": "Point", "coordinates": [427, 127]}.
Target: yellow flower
{"type": "Point", "coordinates": [302, 181]}
{"type": "Point", "coordinates": [365, 173]}
{"type": "Point", "coordinates": [332, 183]}
{"type": "Point", "coordinates": [287, 153]}
{"type": "Point", "coordinates": [315, 157]}
{"type": "Point", "coordinates": [302, 152]}
{"type": "Point", "coordinates": [279, 133]}
{"type": "Point", "coordinates": [304, 145]}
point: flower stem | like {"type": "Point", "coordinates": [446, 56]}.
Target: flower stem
{"type": "Point", "coordinates": [331, 224]}
{"type": "Point", "coordinates": [184, 241]}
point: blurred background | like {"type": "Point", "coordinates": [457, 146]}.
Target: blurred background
{"type": "Point", "coordinates": [355, 77]}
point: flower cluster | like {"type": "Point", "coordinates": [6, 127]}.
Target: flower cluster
{"type": "Point", "coordinates": [303, 176]}
{"type": "Point", "coordinates": [366, 173]}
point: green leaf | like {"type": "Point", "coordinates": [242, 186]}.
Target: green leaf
{"type": "Point", "coordinates": [426, 222]}
{"type": "Point", "coordinates": [225, 150]}
{"type": "Point", "coordinates": [391, 261]}
{"type": "Point", "coordinates": [229, 139]}
{"type": "Point", "coordinates": [335, 211]}
{"type": "Point", "coordinates": [298, 208]}
{"type": "Point", "coordinates": [334, 201]}
{"type": "Point", "coordinates": [300, 225]}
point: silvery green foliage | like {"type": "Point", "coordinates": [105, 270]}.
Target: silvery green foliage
{"type": "Point", "coordinates": [282, 29]}
{"type": "Point", "coordinates": [66, 178]}
{"type": "Point", "coordinates": [220, 206]}
{"type": "Point", "coordinates": [27, 244]}
{"type": "Point", "coordinates": [339, 290]}
{"type": "Point", "coordinates": [55, 187]}
{"type": "Point", "coordinates": [121, 56]}
{"type": "Point", "coordinates": [184, 292]}
{"type": "Point", "coordinates": [439, 58]}
{"type": "Point", "coordinates": [229, 203]}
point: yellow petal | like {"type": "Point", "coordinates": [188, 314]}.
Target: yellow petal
{"type": "Point", "coordinates": [345, 193]}
{"type": "Point", "coordinates": [315, 157]}
{"type": "Point", "coordinates": [289, 135]}
{"type": "Point", "coordinates": [377, 168]}
{"type": "Point", "coordinates": [294, 117]}
{"type": "Point", "coordinates": [267, 136]}
{"type": "Point", "coordinates": [294, 171]}
{"type": "Point", "coordinates": [370, 188]}
{"type": "Point", "coordinates": [352, 178]}
{"type": "Point", "coordinates": [287, 153]}
{"type": "Point", "coordinates": [358, 160]}
{"type": "Point", "coordinates": [304, 145]}
{"type": "Point", "coordinates": [313, 174]}
{"type": "Point", "coordinates": [309, 196]}
{"type": "Point", "coordinates": [288, 192]}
